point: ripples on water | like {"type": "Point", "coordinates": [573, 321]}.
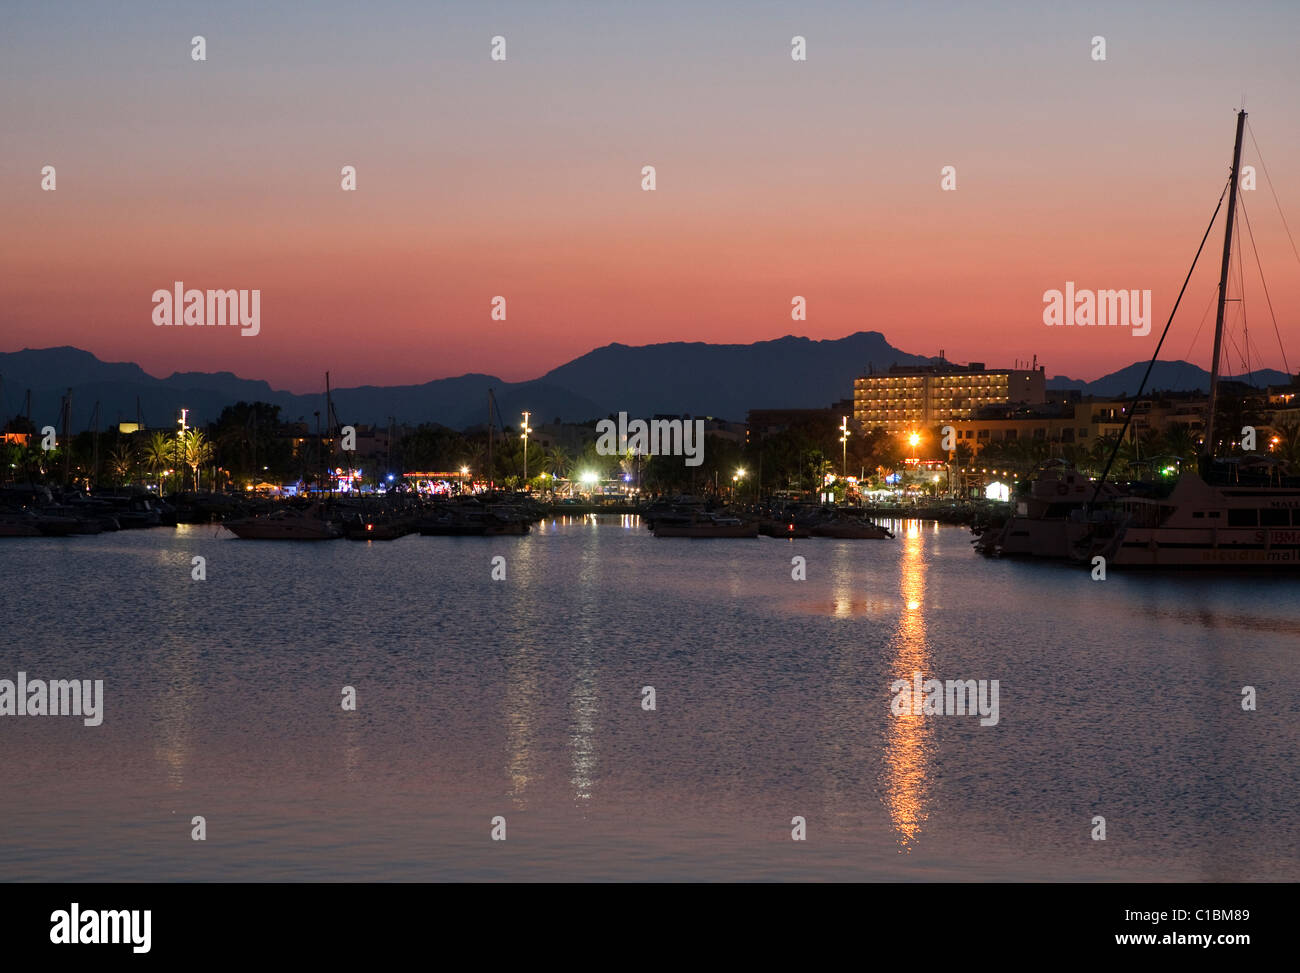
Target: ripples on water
{"type": "Point", "coordinates": [522, 698]}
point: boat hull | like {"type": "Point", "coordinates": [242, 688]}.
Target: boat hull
{"type": "Point", "coordinates": [850, 531]}
{"type": "Point", "coordinates": [284, 532]}
{"type": "Point", "coordinates": [706, 530]}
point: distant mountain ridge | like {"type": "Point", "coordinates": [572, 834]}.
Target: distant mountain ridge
{"type": "Point", "coordinates": [1166, 376]}
{"type": "Point", "coordinates": [693, 378]}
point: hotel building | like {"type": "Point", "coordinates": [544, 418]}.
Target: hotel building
{"type": "Point", "coordinates": [924, 396]}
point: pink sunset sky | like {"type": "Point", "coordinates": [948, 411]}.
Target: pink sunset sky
{"type": "Point", "coordinates": [522, 178]}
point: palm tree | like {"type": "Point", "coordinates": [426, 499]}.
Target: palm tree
{"type": "Point", "coordinates": [198, 452]}
{"type": "Point", "coordinates": [559, 461]}
{"type": "Point", "coordinates": [1179, 441]}
{"type": "Point", "coordinates": [818, 466]}
{"type": "Point", "coordinates": [1150, 443]}
{"type": "Point", "coordinates": [157, 454]}
{"type": "Point", "coordinates": [121, 461]}
{"type": "Point", "coordinates": [1099, 452]}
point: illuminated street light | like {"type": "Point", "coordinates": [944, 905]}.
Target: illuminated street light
{"type": "Point", "coordinates": [180, 442]}
{"type": "Point", "coordinates": [527, 430]}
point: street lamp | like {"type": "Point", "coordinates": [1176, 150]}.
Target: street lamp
{"type": "Point", "coordinates": [914, 438]}
{"type": "Point", "coordinates": [527, 430]}
{"type": "Point", "coordinates": [844, 439]}
{"type": "Point", "coordinates": [180, 442]}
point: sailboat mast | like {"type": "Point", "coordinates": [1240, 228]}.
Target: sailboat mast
{"type": "Point", "coordinates": [329, 424]}
{"type": "Point", "coordinates": [94, 462]}
{"type": "Point", "coordinates": [67, 448]}
{"type": "Point", "coordinates": [1208, 449]}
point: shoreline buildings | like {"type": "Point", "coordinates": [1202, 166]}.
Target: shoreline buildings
{"type": "Point", "coordinates": [910, 397]}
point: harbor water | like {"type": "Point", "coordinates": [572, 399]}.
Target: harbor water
{"type": "Point", "coordinates": [525, 698]}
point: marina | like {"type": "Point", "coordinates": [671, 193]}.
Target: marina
{"type": "Point", "coordinates": [572, 445]}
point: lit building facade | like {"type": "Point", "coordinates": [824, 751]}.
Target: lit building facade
{"type": "Point", "coordinates": [920, 397]}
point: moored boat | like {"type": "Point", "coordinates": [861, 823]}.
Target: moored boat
{"type": "Point", "coordinates": [1237, 512]}
{"type": "Point", "coordinates": [19, 524]}
{"type": "Point", "coordinates": [1050, 518]}
{"type": "Point", "coordinates": [784, 528]}
{"type": "Point", "coordinates": [851, 530]}
{"type": "Point", "coordinates": [1205, 524]}
{"type": "Point", "coordinates": [287, 525]}
{"type": "Point", "coordinates": [705, 525]}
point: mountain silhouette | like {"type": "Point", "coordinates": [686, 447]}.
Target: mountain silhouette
{"type": "Point", "coordinates": [692, 378]}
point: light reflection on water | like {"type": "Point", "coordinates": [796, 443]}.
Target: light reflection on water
{"type": "Point", "coordinates": [523, 697]}
{"type": "Point", "coordinates": [907, 752]}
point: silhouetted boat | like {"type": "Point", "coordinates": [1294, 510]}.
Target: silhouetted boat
{"type": "Point", "coordinates": [287, 525]}
{"type": "Point", "coordinates": [19, 524]}
{"type": "Point", "coordinates": [1050, 518]}
{"type": "Point", "coordinates": [377, 527]}
{"type": "Point", "coordinates": [851, 530]}
{"type": "Point", "coordinates": [784, 528]}
{"type": "Point", "coordinates": [705, 525]}
{"type": "Point", "coordinates": [474, 520]}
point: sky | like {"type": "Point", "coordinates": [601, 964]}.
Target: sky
{"type": "Point", "coordinates": [522, 178]}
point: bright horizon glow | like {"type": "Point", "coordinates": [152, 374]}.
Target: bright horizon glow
{"type": "Point", "coordinates": [775, 179]}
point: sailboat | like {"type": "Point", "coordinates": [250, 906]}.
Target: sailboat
{"type": "Point", "coordinates": [1240, 512]}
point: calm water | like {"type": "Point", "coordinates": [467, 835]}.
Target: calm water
{"type": "Point", "coordinates": [522, 698]}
